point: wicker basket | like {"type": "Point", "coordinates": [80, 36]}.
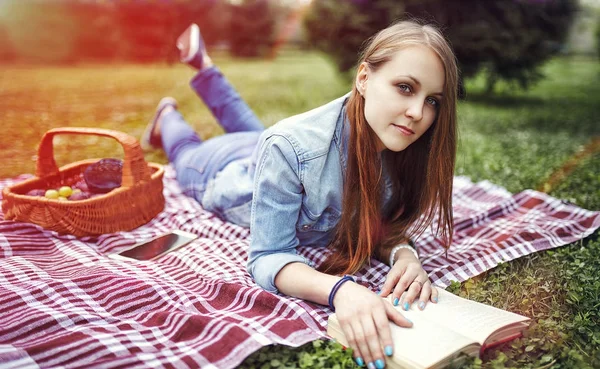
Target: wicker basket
{"type": "Point", "coordinates": [139, 199]}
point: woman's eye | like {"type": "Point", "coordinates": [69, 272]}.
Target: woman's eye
{"type": "Point", "coordinates": [433, 102]}
{"type": "Point", "coordinates": [405, 88]}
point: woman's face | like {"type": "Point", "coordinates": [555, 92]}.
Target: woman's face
{"type": "Point", "coordinates": [402, 96]}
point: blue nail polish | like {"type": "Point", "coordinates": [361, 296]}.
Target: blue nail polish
{"type": "Point", "coordinates": [380, 364]}
{"type": "Point", "coordinates": [389, 350]}
{"type": "Point", "coordinates": [371, 365]}
{"type": "Point", "coordinates": [396, 301]}
{"type": "Point", "coordinates": [421, 305]}
{"type": "Point", "coordinates": [435, 299]}
{"type": "Point", "coordinates": [360, 362]}
{"type": "Point", "coordinates": [379, 292]}
{"type": "Point", "coordinates": [406, 306]}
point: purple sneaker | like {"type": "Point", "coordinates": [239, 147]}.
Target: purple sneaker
{"type": "Point", "coordinates": [149, 140]}
{"type": "Point", "coordinates": [191, 46]}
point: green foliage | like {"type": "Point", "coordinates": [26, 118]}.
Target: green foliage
{"type": "Point", "coordinates": [317, 354]}
{"type": "Point", "coordinates": [38, 41]}
{"type": "Point", "coordinates": [339, 28]}
{"type": "Point", "coordinates": [69, 31]}
{"type": "Point", "coordinates": [582, 187]}
{"type": "Point", "coordinates": [96, 19]}
{"type": "Point", "coordinates": [142, 28]}
{"type": "Point", "coordinates": [508, 39]}
{"type": "Point", "coordinates": [597, 34]}
{"type": "Point", "coordinates": [252, 28]}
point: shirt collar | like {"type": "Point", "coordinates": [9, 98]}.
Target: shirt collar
{"type": "Point", "coordinates": [342, 135]}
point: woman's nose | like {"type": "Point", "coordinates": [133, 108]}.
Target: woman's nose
{"type": "Point", "coordinates": [415, 109]}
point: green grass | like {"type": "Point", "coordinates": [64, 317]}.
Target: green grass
{"type": "Point", "coordinates": [124, 97]}
{"type": "Point", "coordinates": [515, 139]}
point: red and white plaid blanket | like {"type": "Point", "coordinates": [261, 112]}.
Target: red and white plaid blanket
{"type": "Point", "coordinates": [64, 303]}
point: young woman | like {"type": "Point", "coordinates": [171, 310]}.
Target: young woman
{"type": "Point", "coordinates": [361, 175]}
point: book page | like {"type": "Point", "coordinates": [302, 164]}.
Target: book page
{"type": "Point", "coordinates": [469, 318]}
{"type": "Point", "coordinates": [422, 346]}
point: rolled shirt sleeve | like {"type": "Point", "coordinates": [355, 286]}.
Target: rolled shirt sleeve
{"type": "Point", "coordinates": [276, 202]}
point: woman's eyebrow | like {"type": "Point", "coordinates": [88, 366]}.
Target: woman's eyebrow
{"type": "Point", "coordinates": [418, 83]}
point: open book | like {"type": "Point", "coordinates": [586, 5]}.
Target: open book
{"type": "Point", "coordinates": [446, 332]}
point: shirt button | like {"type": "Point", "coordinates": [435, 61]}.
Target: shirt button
{"type": "Point", "coordinates": [305, 227]}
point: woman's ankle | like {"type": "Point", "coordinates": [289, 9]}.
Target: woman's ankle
{"type": "Point", "coordinates": [159, 121]}
{"type": "Point", "coordinates": [206, 62]}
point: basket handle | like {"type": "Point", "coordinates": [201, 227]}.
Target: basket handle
{"type": "Point", "coordinates": [135, 168]}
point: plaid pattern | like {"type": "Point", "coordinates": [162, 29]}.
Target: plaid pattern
{"type": "Point", "coordinates": [63, 303]}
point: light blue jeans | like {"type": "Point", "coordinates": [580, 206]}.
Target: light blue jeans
{"type": "Point", "coordinates": [197, 161]}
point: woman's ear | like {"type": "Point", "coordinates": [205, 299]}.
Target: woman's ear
{"type": "Point", "coordinates": [362, 75]}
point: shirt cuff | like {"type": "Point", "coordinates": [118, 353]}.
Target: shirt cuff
{"type": "Point", "coordinates": [264, 269]}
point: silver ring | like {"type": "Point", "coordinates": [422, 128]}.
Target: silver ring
{"type": "Point", "coordinates": [419, 282]}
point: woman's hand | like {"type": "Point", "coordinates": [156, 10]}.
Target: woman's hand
{"type": "Point", "coordinates": [407, 281]}
{"type": "Point", "coordinates": [364, 318]}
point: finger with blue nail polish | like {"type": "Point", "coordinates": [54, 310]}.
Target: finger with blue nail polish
{"type": "Point", "coordinates": [426, 294]}
{"type": "Point", "coordinates": [434, 294]}
{"type": "Point", "coordinates": [421, 292]}
{"type": "Point", "coordinates": [379, 364]}
{"type": "Point", "coordinates": [359, 361]}
{"type": "Point", "coordinates": [389, 350]}
{"type": "Point", "coordinates": [386, 345]}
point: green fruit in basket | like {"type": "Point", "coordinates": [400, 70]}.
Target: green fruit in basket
{"type": "Point", "coordinates": [104, 175]}
{"type": "Point", "coordinates": [65, 191]}
{"type": "Point", "coordinates": [51, 194]}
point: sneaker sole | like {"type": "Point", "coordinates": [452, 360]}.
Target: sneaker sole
{"type": "Point", "coordinates": [189, 38]}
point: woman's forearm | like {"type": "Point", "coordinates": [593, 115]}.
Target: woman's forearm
{"type": "Point", "coordinates": [302, 281]}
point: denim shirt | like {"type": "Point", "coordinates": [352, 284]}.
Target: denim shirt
{"type": "Point", "coordinates": [289, 191]}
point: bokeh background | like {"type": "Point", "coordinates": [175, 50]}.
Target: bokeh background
{"type": "Point", "coordinates": [529, 116]}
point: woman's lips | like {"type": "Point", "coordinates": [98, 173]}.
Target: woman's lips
{"type": "Point", "coordinates": [404, 130]}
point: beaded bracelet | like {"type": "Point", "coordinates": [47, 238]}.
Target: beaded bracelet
{"type": "Point", "coordinates": [401, 246]}
{"type": "Point", "coordinates": [336, 287]}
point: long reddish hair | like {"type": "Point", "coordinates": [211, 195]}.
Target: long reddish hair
{"type": "Point", "coordinates": [421, 174]}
